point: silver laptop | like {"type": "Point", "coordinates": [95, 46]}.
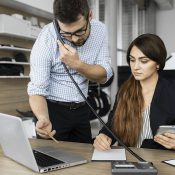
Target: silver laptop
{"type": "Point", "coordinates": [16, 146]}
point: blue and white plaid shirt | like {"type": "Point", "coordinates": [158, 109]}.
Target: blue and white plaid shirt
{"type": "Point", "coordinates": [47, 75]}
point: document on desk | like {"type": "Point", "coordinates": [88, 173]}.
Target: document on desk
{"type": "Point", "coordinates": [112, 154]}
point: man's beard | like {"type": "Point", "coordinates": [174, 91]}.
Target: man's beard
{"type": "Point", "coordinates": [82, 41]}
{"type": "Point", "coordinates": [79, 43]}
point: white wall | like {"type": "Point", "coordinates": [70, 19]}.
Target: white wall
{"type": "Point", "coordinates": [165, 27]}
{"type": "Point", "coordinates": [46, 5]}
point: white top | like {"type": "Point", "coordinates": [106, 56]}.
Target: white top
{"type": "Point", "coordinates": [146, 132]}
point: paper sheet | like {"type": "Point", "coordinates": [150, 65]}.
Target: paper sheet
{"type": "Point", "coordinates": [171, 162]}
{"type": "Point", "coordinates": [29, 127]}
{"type": "Point", "coordinates": [112, 154]}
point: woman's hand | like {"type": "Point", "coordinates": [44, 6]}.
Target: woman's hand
{"type": "Point", "coordinates": [102, 142]}
{"type": "Point", "coordinates": [167, 140]}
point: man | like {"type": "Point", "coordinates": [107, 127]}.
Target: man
{"type": "Point", "coordinates": [54, 99]}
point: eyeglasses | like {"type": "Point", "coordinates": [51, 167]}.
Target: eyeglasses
{"type": "Point", "coordinates": [78, 33]}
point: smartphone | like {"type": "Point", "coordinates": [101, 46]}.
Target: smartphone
{"type": "Point", "coordinates": [166, 129]}
{"type": "Point", "coordinates": [169, 162]}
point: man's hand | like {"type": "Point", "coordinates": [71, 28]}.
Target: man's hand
{"type": "Point", "coordinates": [102, 142]}
{"type": "Point", "coordinates": [44, 128]}
{"type": "Point", "coordinates": [167, 140]}
{"type": "Point", "coordinates": [69, 55]}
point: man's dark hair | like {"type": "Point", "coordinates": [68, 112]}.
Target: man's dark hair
{"type": "Point", "coordinates": [67, 11]}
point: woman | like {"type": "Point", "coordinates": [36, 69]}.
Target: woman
{"type": "Point", "coordinates": [144, 102]}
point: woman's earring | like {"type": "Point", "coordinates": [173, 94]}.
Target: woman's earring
{"type": "Point", "coordinates": [157, 67]}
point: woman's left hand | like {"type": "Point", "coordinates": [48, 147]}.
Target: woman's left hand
{"type": "Point", "coordinates": [167, 140]}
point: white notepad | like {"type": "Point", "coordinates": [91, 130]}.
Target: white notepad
{"type": "Point", "coordinates": [112, 154]}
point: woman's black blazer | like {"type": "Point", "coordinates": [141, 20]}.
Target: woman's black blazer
{"type": "Point", "coordinates": [162, 111]}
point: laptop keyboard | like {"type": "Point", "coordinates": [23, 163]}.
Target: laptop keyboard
{"type": "Point", "coordinates": [44, 160]}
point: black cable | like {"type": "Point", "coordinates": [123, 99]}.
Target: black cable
{"type": "Point", "coordinates": [99, 118]}
{"type": "Point", "coordinates": [55, 23]}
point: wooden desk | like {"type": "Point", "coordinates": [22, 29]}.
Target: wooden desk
{"type": "Point", "coordinates": [9, 167]}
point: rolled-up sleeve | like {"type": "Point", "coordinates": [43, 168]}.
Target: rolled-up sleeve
{"type": "Point", "coordinates": [103, 57]}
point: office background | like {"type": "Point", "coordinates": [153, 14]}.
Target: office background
{"type": "Point", "coordinates": [22, 20]}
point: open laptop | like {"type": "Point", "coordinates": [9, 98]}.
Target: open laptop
{"type": "Point", "coordinates": [16, 146]}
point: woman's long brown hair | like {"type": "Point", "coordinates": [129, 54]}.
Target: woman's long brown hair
{"type": "Point", "coordinates": [127, 120]}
